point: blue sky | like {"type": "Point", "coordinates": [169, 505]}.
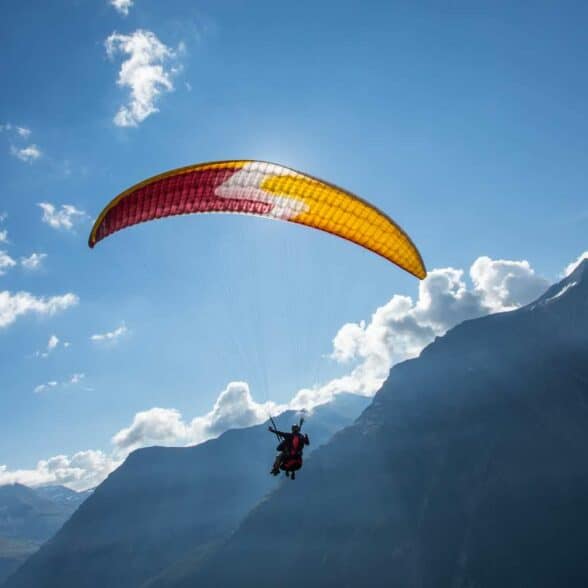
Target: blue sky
{"type": "Point", "coordinates": [465, 121]}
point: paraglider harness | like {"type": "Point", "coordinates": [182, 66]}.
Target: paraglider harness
{"type": "Point", "coordinates": [291, 448]}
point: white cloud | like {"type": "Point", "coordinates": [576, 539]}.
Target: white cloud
{"type": "Point", "coordinates": [156, 426]}
{"type": "Point", "coordinates": [111, 335]}
{"type": "Point", "coordinates": [63, 218]}
{"type": "Point", "coordinates": [122, 6]}
{"type": "Point", "coordinates": [26, 154]}
{"type": "Point", "coordinates": [4, 236]}
{"type": "Point", "coordinates": [44, 387]}
{"type": "Point", "coordinates": [401, 328]}
{"type": "Point", "coordinates": [6, 262]}
{"type": "Point", "coordinates": [22, 132]}
{"type": "Point", "coordinates": [3, 217]}
{"type": "Point", "coordinates": [34, 261]}
{"type": "Point", "coordinates": [73, 380]}
{"type": "Point", "coordinates": [83, 470]}
{"type": "Point", "coordinates": [76, 378]}
{"type": "Point", "coordinates": [51, 346]}
{"type": "Point", "coordinates": [234, 408]}
{"type": "Point", "coordinates": [505, 285]}
{"type": "Point", "coordinates": [574, 264]}
{"type": "Point", "coordinates": [14, 305]}
{"type": "Point", "coordinates": [143, 73]}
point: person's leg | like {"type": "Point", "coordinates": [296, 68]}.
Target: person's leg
{"type": "Point", "coordinates": [277, 463]}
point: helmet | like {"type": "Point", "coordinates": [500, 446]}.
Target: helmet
{"type": "Point", "coordinates": [295, 428]}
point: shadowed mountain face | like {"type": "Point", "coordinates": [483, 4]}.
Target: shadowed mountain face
{"type": "Point", "coordinates": [469, 469]}
{"type": "Point", "coordinates": [164, 504]}
{"type": "Point", "coordinates": [28, 517]}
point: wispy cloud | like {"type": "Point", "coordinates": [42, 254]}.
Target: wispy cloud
{"type": "Point", "coordinates": [72, 380]}
{"type": "Point", "coordinates": [143, 73]}
{"type": "Point", "coordinates": [27, 154]}
{"type": "Point", "coordinates": [22, 303]}
{"type": "Point", "coordinates": [111, 335]}
{"type": "Point", "coordinates": [62, 218]}
{"type": "Point", "coordinates": [122, 6]}
{"type": "Point", "coordinates": [44, 387]}
{"type": "Point", "coordinates": [4, 232]}
{"type": "Point", "coordinates": [51, 346]}
{"type": "Point", "coordinates": [33, 261]}
{"type": "Point", "coordinates": [76, 378]}
{"type": "Point", "coordinates": [6, 262]}
{"type": "Point", "coordinates": [23, 132]}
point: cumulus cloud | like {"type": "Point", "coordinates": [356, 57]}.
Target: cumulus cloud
{"type": "Point", "coordinates": [63, 218]}
{"type": "Point", "coordinates": [122, 6]}
{"type": "Point", "coordinates": [83, 470]}
{"type": "Point", "coordinates": [33, 261]}
{"type": "Point", "coordinates": [6, 262]}
{"type": "Point", "coordinates": [27, 154]}
{"type": "Point", "coordinates": [234, 408]}
{"type": "Point", "coordinates": [401, 328]}
{"type": "Point", "coordinates": [20, 303]}
{"type": "Point", "coordinates": [23, 132]}
{"type": "Point", "coordinates": [574, 264]}
{"type": "Point", "coordinates": [504, 284]}
{"type": "Point", "coordinates": [143, 73]}
{"type": "Point", "coordinates": [111, 335]}
{"type": "Point", "coordinates": [156, 426]}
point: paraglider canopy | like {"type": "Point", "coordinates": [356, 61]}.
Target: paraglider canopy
{"type": "Point", "coordinates": [263, 189]}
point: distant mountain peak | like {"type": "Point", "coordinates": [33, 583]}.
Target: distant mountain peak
{"type": "Point", "coordinates": [576, 284]}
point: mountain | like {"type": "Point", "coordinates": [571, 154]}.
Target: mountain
{"type": "Point", "coordinates": [469, 470]}
{"type": "Point", "coordinates": [168, 504]}
{"type": "Point", "coordinates": [28, 517]}
{"type": "Point", "coordinates": [63, 496]}
{"type": "Point", "coordinates": [25, 514]}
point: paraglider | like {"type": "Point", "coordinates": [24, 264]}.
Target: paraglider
{"type": "Point", "coordinates": [272, 191]}
{"type": "Point", "coordinates": [262, 189]}
{"type": "Point", "coordinates": [290, 450]}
